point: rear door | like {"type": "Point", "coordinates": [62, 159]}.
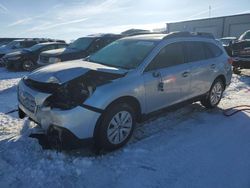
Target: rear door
{"type": "Point", "coordinates": [167, 78]}
{"type": "Point", "coordinates": [203, 65]}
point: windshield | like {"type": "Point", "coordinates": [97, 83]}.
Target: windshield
{"type": "Point", "coordinates": [81, 43]}
{"type": "Point", "coordinates": [11, 44]}
{"type": "Point", "coordinates": [127, 54]}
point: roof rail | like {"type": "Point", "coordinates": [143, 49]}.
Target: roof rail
{"type": "Point", "coordinates": [188, 34]}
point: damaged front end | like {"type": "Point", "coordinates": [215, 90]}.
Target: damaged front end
{"type": "Point", "coordinates": [74, 92]}
{"type": "Point", "coordinates": [58, 108]}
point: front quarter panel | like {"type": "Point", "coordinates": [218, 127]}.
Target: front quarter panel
{"type": "Point", "coordinates": [130, 85]}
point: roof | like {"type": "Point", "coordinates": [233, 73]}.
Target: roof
{"type": "Point", "coordinates": [178, 34]}
{"type": "Point", "coordinates": [228, 38]}
{"type": "Point", "coordinates": [98, 35]}
{"type": "Point", "coordinates": [155, 37]}
{"type": "Point", "coordinates": [47, 43]}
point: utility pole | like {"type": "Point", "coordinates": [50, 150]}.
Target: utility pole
{"type": "Point", "coordinates": [210, 8]}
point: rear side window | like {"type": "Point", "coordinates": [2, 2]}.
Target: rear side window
{"type": "Point", "coordinates": [195, 51]}
{"type": "Point", "coordinates": [100, 43]}
{"type": "Point", "coordinates": [212, 50]}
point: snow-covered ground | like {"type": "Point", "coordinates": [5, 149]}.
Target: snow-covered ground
{"type": "Point", "coordinates": [190, 147]}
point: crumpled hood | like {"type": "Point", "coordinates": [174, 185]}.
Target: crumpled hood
{"type": "Point", "coordinates": [66, 71]}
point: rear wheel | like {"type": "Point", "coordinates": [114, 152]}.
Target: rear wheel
{"type": "Point", "coordinates": [28, 65]}
{"type": "Point", "coordinates": [116, 127]}
{"type": "Point", "coordinates": [214, 96]}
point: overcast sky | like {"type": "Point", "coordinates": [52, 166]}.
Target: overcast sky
{"type": "Point", "coordinates": [74, 18]}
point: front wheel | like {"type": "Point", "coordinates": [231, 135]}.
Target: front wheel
{"type": "Point", "coordinates": [28, 65]}
{"type": "Point", "coordinates": [116, 127]}
{"type": "Point", "coordinates": [215, 94]}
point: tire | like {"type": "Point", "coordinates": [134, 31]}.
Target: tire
{"type": "Point", "coordinates": [111, 134]}
{"type": "Point", "coordinates": [28, 65]}
{"type": "Point", "coordinates": [215, 94]}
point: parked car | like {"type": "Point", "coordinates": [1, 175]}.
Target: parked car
{"type": "Point", "coordinates": [27, 58]}
{"type": "Point", "coordinates": [241, 52]}
{"type": "Point", "coordinates": [80, 48]}
{"type": "Point", "coordinates": [4, 41]}
{"type": "Point", "coordinates": [17, 45]}
{"type": "Point", "coordinates": [227, 44]}
{"type": "Point", "coordinates": [101, 98]}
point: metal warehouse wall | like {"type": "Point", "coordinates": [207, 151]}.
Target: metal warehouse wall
{"type": "Point", "coordinates": [228, 26]}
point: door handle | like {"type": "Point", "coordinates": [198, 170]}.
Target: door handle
{"type": "Point", "coordinates": [185, 74]}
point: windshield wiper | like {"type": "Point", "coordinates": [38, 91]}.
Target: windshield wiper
{"type": "Point", "coordinates": [115, 66]}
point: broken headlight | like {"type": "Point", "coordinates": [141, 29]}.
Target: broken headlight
{"type": "Point", "coordinates": [69, 95]}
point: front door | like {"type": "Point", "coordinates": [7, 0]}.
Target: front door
{"type": "Point", "coordinates": [167, 78]}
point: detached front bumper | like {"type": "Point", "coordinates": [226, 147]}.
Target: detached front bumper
{"type": "Point", "coordinates": [79, 121]}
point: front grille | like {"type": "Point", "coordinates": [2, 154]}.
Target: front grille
{"type": "Point", "coordinates": [40, 86]}
{"type": "Point", "coordinates": [27, 100]}
{"type": "Point", "coordinates": [44, 59]}
{"type": "Point", "coordinates": [235, 52]}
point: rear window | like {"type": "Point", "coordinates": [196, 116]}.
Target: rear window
{"type": "Point", "coordinates": [195, 51]}
{"type": "Point", "coordinates": [212, 50]}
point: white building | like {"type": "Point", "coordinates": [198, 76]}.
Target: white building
{"type": "Point", "coordinates": [226, 26]}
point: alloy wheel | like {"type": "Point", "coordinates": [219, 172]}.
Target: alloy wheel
{"type": "Point", "coordinates": [119, 127]}
{"type": "Point", "coordinates": [216, 93]}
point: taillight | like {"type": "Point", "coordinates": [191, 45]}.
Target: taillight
{"type": "Point", "coordinates": [230, 61]}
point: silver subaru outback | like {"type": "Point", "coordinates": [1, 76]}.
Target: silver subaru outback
{"type": "Point", "coordinates": [102, 97]}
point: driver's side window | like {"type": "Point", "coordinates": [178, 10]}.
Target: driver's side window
{"type": "Point", "coordinates": [171, 55]}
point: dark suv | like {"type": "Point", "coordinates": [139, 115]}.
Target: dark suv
{"type": "Point", "coordinates": [241, 52]}
{"type": "Point", "coordinates": [80, 48]}
{"type": "Point", "coordinates": [26, 59]}
{"type": "Point", "coordinates": [18, 45]}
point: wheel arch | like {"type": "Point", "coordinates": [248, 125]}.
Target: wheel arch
{"type": "Point", "coordinates": [222, 78]}
{"type": "Point", "coordinates": [130, 100]}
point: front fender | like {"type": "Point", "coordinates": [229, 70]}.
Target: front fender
{"type": "Point", "coordinates": [106, 94]}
